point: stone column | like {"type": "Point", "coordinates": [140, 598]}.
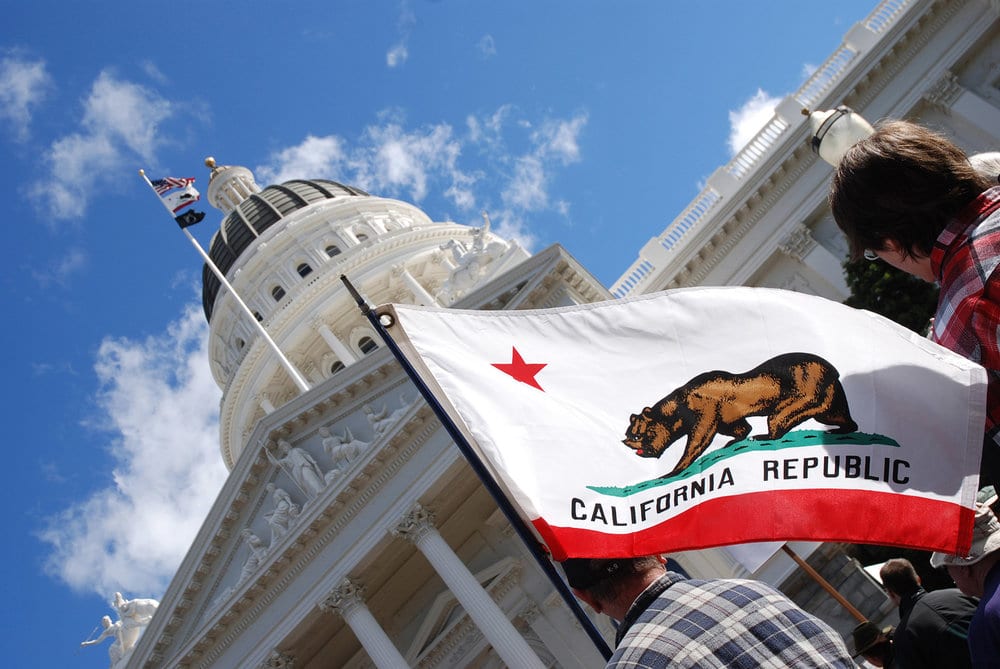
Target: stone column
{"type": "Point", "coordinates": [264, 400]}
{"type": "Point", "coordinates": [347, 600]}
{"type": "Point", "coordinates": [420, 293]}
{"type": "Point", "coordinates": [345, 354]}
{"type": "Point", "coordinates": [417, 526]}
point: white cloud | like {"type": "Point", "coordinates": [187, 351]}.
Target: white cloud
{"type": "Point", "coordinates": [159, 402]}
{"type": "Point", "coordinates": [487, 46]}
{"type": "Point", "coordinates": [556, 141]}
{"type": "Point", "coordinates": [559, 139]}
{"type": "Point", "coordinates": [748, 120]}
{"type": "Point", "coordinates": [23, 86]}
{"type": "Point", "coordinates": [59, 272]}
{"type": "Point", "coordinates": [406, 160]}
{"type": "Point", "coordinates": [510, 225]}
{"type": "Point", "coordinates": [392, 160]}
{"type": "Point", "coordinates": [120, 123]}
{"type": "Point", "coordinates": [388, 160]}
{"type": "Point", "coordinates": [315, 157]}
{"type": "Point", "coordinates": [397, 55]}
{"type": "Point", "coordinates": [527, 188]}
{"type": "Point", "coordinates": [399, 52]}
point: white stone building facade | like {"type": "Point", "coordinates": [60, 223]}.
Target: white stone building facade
{"type": "Point", "coordinates": [350, 532]}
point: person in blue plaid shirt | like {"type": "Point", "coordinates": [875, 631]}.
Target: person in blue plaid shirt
{"type": "Point", "coordinates": [667, 620]}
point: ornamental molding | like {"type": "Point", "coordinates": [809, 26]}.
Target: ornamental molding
{"type": "Point", "coordinates": [944, 92]}
{"type": "Point", "coordinates": [415, 525]}
{"type": "Point", "coordinates": [278, 660]}
{"type": "Point", "coordinates": [344, 598]}
{"type": "Point", "coordinates": [798, 243]}
{"type": "Point", "coordinates": [222, 622]}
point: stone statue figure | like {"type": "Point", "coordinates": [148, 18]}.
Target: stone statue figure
{"type": "Point", "coordinates": [470, 261]}
{"type": "Point", "coordinates": [281, 516]}
{"type": "Point", "coordinates": [111, 629]}
{"type": "Point", "coordinates": [380, 420]}
{"type": "Point", "coordinates": [301, 466]}
{"type": "Point", "coordinates": [258, 552]}
{"type": "Point", "coordinates": [342, 449]}
{"type": "Point", "coordinates": [134, 615]}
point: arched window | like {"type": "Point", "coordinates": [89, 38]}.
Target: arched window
{"type": "Point", "coordinates": [362, 237]}
{"type": "Point", "coordinates": [257, 315]}
{"type": "Point", "coordinates": [304, 270]}
{"type": "Point", "coordinates": [277, 293]}
{"type": "Point", "coordinates": [240, 344]}
{"type": "Point", "coordinates": [333, 250]}
{"type": "Point", "coordinates": [367, 345]}
{"type": "Point", "coordinates": [336, 367]}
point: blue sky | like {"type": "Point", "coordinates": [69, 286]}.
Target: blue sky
{"type": "Point", "coordinates": [587, 123]}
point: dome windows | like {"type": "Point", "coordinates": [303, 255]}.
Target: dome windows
{"type": "Point", "coordinates": [367, 345]}
{"type": "Point", "coordinates": [277, 293]}
{"type": "Point", "coordinates": [333, 250]}
{"type": "Point", "coordinates": [337, 366]}
{"type": "Point", "coordinates": [304, 270]}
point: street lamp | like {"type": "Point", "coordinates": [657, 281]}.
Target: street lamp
{"type": "Point", "coordinates": [835, 131]}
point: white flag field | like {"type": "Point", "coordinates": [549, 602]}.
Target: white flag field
{"type": "Point", "coordinates": [706, 417]}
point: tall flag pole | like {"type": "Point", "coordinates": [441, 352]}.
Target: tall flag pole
{"type": "Point", "coordinates": [525, 534]}
{"type": "Point", "coordinates": [175, 194]}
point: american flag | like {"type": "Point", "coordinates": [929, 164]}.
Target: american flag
{"type": "Point", "coordinates": [165, 184]}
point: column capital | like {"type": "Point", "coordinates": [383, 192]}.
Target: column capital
{"type": "Point", "coordinates": [346, 596]}
{"type": "Point", "coordinates": [945, 91]}
{"type": "Point", "coordinates": [798, 243]}
{"type": "Point", "coordinates": [278, 660]}
{"type": "Point", "coordinates": [417, 523]}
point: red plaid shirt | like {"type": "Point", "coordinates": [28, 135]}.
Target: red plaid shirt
{"type": "Point", "coordinates": [965, 259]}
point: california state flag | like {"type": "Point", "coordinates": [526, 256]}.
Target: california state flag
{"type": "Point", "coordinates": [710, 416]}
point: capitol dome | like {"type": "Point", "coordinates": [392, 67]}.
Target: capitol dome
{"type": "Point", "coordinates": [254, 215]}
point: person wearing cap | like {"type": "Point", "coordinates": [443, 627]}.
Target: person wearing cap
{"type": "Point", "coordinates": [911, 197]}
{"type": "Point", "coordinates": [933, 628]}
{"type": "Point", "coordinates": [874, 644]}
{"type": "Point", "coordinates": [978, 575]}
{"type": "Point", "coordinates": [666, 619]}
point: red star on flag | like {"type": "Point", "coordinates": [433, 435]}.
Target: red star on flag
{"type": "Point", "coordinates": [520, 370]}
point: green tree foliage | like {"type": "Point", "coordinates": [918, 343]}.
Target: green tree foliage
{"type": "Point", "coordinates": [901, 297]}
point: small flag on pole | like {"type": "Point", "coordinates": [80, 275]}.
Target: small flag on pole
{"type": "Point", "coordinates": [162, 186]}
{"type": "Point", "coordinates": [189, 218]}
{"type": "Point", "coordinates": [177, 193]}
{"type": "Point", "coordinates": [709, 417]}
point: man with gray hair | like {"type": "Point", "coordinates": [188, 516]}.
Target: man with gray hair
{"type": "Point", "coordinates": [666, 619]}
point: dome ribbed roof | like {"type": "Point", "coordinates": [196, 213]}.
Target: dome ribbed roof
{"type": "Point", "coordinates": [256, 214]}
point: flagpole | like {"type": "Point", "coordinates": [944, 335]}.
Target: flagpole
{"type": "Point", "coordinates": [525, 534]}
{"type": "Point", "coordinates": [299, 380]}
{"type": "Point", "coordinates": [823, 583]}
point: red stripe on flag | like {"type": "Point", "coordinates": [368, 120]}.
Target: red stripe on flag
{"type": "Point", "coordinates": [854, 516]}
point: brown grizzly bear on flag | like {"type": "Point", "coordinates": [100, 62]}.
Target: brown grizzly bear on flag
{"type": "Point", "coordinates": [788, 389]}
